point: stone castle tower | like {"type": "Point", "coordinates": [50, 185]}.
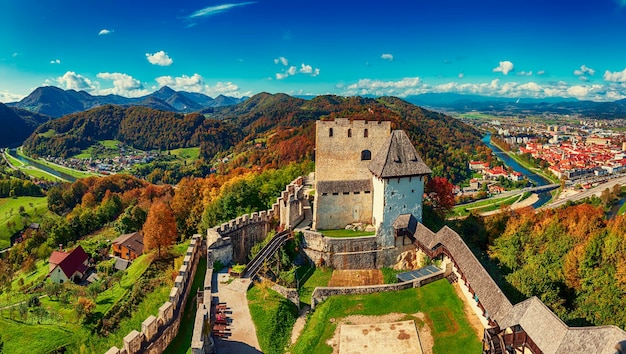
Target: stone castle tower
{"type": "Point", "coordinates": [365, 173]}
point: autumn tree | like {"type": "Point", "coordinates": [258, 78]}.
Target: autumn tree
{"type": "Point", "coordinates": [441, 194]}
{"type": "Point", "coordinates": [159, 231]}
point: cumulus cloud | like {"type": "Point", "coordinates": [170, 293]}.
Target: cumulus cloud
{"type": "Point", "coordinates": [6, 97]}
{"type": "Point", "coordinates": [387, 56]}
{"type": "Point", "coordinates": [541, 72]}
{"type": "Point", "coordinates": [525, 73]}
{"type": "Point", "coordinates": [159, 58]}
{"type": "Point", "coordinates": [281, 60]}
{"type": "Point", "coordinates": [55, 61]}
{"type": "Point", "coordinates": [73, 81]}
{"type": "Point", "coordinates": [584, 70]}
{"type": "Point", "coordinates": [123, 84]}
{"type": "Point", "coordinates": [504, 67]}
{"type": "Point", "coordinates": [196, 83]}
{"type": "Point", "coordinates": [293, 70]}
{"type": "Point", "coordinates": [104, 32]}
{"type": "Point", "coordinates": [211, 11]}
{"type": "Point", "coordinates": [616, 76]}
{"type": "Point", "coordinates": [493, 88]}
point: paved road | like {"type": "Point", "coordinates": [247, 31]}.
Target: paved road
{"type": "Point", "coordinates": [588, 193]}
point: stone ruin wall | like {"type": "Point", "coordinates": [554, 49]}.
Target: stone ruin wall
{"type": "Point", "coordinates": [351, 253]}
{"type": "Point", "coordinates": [236, 237]}
{"type": "Point", "coordinates": [158, 332]}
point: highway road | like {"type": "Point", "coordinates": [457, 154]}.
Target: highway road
{"type": "Point", "coordinates": [587, 193]}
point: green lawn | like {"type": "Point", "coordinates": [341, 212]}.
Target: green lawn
{"type": "Point", "coordinates": [48, 133]}
{"type": "Point", "coordinates": [9, 211]}
{"type": "Point", "coordinates": [188, 154]}
{"type": "Point", "coordinates": [273, 318]}
{"type": "Point", "coordinates": [310, 278]}
{"type": "Point", "coordinates": [346, 233]}
{"type": "Point", "coordinates": [15, 162]}
{"type": "Point", "coordinates": [443, 309]}
{"type": "Point", "coordinates": [33, 339]}
{"type": "Point", "coordinates": [483, 205]}
{"type": "Point", "coordinates": [70, 171]}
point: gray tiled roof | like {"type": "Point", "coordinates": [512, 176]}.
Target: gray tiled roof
{"type": "Point", "coordinates": [398, 158]}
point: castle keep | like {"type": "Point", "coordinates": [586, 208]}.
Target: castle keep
{"type": "Point", "coordinates": [365, 173]}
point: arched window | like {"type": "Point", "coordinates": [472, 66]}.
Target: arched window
{"type": "Point", "coordinates": [365, 133]}
{"type": "Point", "coordinates": [349, 133]}
{"type": "Point", "coordinates": [366, 155]}
{"type": "Point", "coordinates": [330, 132]}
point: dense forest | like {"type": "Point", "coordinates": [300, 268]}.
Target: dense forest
{"type": "Point", "coordinates": [285, 126]}
{"type": "Point", "coordinates": [572, 258]}
{"type": "Point", "coordinates": [267, 131]}
{"type": "Point", "coordinates": [140, 127]}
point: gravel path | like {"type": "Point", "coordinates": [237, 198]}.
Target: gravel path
{"type": "Point", "coordinates": [243, 339]}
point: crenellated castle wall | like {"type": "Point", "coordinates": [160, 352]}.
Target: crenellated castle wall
{"type": "Point", "coordinates": [233, 240]}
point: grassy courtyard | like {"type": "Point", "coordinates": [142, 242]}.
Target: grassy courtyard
{"type": "Point", "coordinates": [443, 310]}
{"type": "Point", "coordinates": [346, 233]}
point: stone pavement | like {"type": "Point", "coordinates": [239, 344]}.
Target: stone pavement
{"type": "Point", "coordinates": [243, 337]}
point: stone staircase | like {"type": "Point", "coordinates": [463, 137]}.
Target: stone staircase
{"type": "Point", "coordinates": [272, 247]}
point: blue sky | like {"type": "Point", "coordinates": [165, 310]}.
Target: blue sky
{"type": "Point", "coordinates": [499, 48]}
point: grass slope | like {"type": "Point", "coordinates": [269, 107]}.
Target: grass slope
{"type": "Point", "coordinates": [311, 278]}
{"type": "Point", "coordinates": [443, 309]}
{"type": "Point", "coordinates": [9, 211]}
{"type": "Point", "coordinates": [273, 318]}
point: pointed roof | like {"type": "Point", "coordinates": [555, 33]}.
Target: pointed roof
{"type": "Point", "coordinates": [70, 262]}
{"type": "Point", "coordinates": [398, 158]}
{"type": "Point", "coordinates": [133, 241]}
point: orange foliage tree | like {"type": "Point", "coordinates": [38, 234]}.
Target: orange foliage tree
{"type": "Point", "coordinates": [159, 231]}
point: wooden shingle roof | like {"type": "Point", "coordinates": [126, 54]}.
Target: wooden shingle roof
{"type": "Point", "coordinates": [344, 186]}
{"type": "Point", "coordinates": [398, 158]}
{"type": "Point", "coordinates": [546, 330]}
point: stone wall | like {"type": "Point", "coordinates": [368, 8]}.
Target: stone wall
{"type": "Point", "coordinates": [322, 293]}
{"type": "Point", "coordinates": [158, 332]}
{"type": "Point", "coordinates": [236, 237]}
{"type": "Point", "coordinates": [337, 211]}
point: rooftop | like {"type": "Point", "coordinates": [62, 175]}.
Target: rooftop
{"type": "Point", "coordinates": [398, 158]}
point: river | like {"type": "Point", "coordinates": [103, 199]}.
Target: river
{"type": "Point", "coordinates": [42, 167]}
{"type": "Point", "coordinates": [537, 179]}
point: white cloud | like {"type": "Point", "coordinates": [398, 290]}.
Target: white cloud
{"type": "Point", "coordinates": [461, 75]}
{"type": "Point", "coordinates": [308, 69]}
{"type": "Point", "coordinates": [293, 70]}
{"type": "Point", "coordinates": [401, 87]}
{"type": "Point", "coordinates": [123, 84]}
{"type": "Point", "coordinates": [387, 56]}
{"type": "Point", "coordinates": [212, 10]}
{"type": "Point", "coordinates": [104, 32]}
{"type": "Point", "coordinates": [541, 72]}
{"type": "Point", "coordinates": [281, 60]}
{"type": "Point", "coordinates": [583, 78]}
{"type": "Point", "coordinates": [584, 70]}
{"type": "Point", "coordinates": [55, 61]}
{"type": "Point", "coordinates": [525, 73]}
{"type": "Point", "coordinates": [73, 81]}
{"type": "Point", "coordinates": [504, 67]}
{"type": "Point", "coordinates": [196, 83]}
{"type": "Point", "coordinates": [6, 96]}
{"type": "Point", "coordinates": [159, 58]}
{"type": "Point", "coordinates": [617, 76]}
{"type": "Point", "coordinates": [578, 91]}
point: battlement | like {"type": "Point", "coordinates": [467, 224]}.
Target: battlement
{"type": "Point", "coordinates": [345, 122]}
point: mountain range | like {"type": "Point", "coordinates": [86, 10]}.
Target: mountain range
{"type": "Point", "coordinates": [450, 102]}
{"type": "Point", "coordinates": [17, 124]}
{"type": "Point", "coordinates": [56, 102]}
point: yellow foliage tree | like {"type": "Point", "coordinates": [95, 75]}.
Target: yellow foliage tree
{"type": "Point", "coordinates": [159, 231]}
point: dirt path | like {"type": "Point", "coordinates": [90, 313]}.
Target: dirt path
{"type": "Point", "coordinates": [300, 322]}
{"type": "Point", "coordinates": [472, 318]}
{"type": "Point", "coordinates": [424, 331]}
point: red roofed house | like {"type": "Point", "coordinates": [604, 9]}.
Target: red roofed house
{"type": "Point", "coordinates": [66, 266]}
{"type": "Point", "coordinates": [128, 246]}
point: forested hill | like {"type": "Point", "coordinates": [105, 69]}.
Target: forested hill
{"type": "Point", "coordinates": [141, 127]}
{"type": "Point", "coordinates": [266, 130]}
{"type": "Point", "coordinates": [287, 123]}
{"type": "Point", "coordinates": [17, 124]}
